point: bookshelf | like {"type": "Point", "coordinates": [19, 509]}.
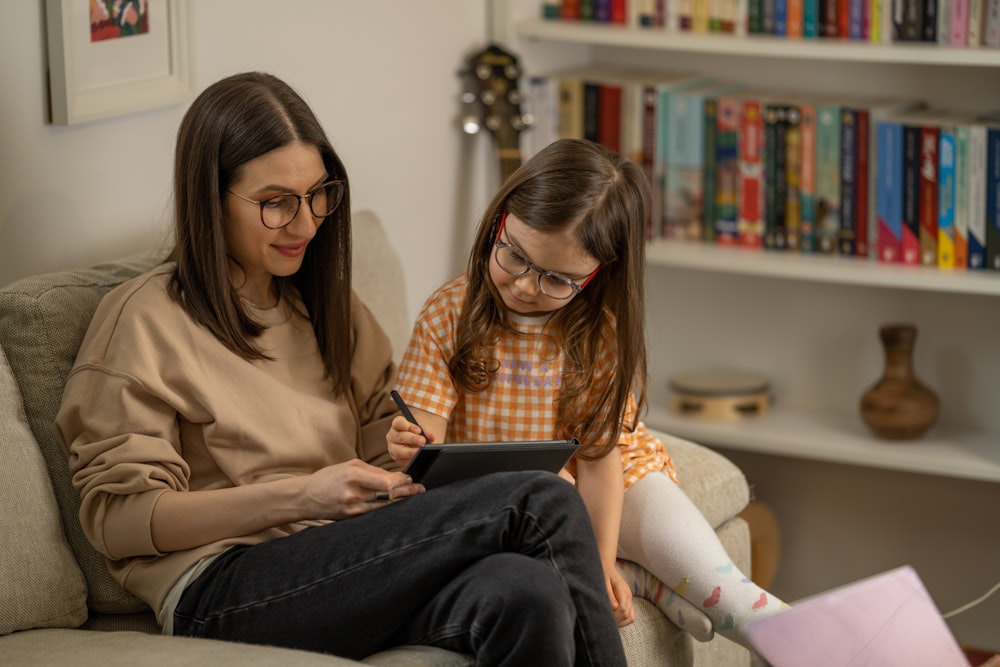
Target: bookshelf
{"type": "Point", "coordinates": [830, 50]}
{"type": "Point", "coordinates": [768, 311]}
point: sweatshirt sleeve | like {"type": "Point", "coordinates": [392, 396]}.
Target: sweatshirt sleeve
{"type": "Point", "coordinates": [372, 375]}
{"type": "Point", "coordinates": [124, 451]}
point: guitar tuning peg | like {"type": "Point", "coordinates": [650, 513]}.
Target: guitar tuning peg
{"type": "Point", "coordinates": [513, 96]}
{"type": "Point", "coordinates": [511, 71]}
{"type": "Point", "coordinates": [527, 120]}
{"type": "Point", "coordinates": [488, 97]}
{"type": "Point", "coordinates": [468, 97]}
{"type": "Point", "coordinates": [493, 123]}
{"type": "Point", "coordinates": [470, 125]}
{"type": "Point", "coordinates": [483, 71]}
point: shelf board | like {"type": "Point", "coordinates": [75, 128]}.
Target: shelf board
{"type": "Point", "coordinates": [841, 439]}
{"type": "Point", "coordinates": [758, 45]}
{"type": "Point", "coordinates": [819, 268]}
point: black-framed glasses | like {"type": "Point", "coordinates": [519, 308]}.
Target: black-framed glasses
{"type": "Point", "coordinates": [279, 211]}
{"type": "Point", "coordinates": [552, 285]}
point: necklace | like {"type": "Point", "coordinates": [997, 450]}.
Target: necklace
{"type": "Point", "coordinates": [258, 307]}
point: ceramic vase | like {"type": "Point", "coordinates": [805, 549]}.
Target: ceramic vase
{"type": "Point", "coordinates": [898, 406]}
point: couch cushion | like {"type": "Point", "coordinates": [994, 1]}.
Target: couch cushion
{"type": "Point", "coordinates": [714, 484]}
{"type": "Point", "coordinates": [40, 583]}
{"type": "Point", "coordinates": [82, 648]}
{"type": "Point", "coordinates": [42, 322]}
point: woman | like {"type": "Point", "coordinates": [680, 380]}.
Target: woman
{"type": "Point", "coordinates": [226, 420]}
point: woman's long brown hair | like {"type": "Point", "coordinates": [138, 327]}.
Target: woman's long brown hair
{"type": "Point", "coordinates": [603, 197]}
{"type": "Point", "coordinates": [230, 123]}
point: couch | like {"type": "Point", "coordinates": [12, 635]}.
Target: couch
{"type": "Point", "coordinates": [58, 604]}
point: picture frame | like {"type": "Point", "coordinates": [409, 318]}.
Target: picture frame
{"type": "Point", "coordinates": [91, 80]}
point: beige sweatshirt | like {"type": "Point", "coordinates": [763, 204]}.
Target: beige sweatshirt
{"type": "Point", "coordinates": [154, 403]}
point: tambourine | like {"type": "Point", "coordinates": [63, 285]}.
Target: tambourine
{"type": "Point", "coordinates": [719, 395]}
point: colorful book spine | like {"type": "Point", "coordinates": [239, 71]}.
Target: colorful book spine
{"type": "Point", "coordinates": [874, 26]}
{"type": "Point", "coordinates": [977, 197]}
{"type": "Point", "coordinates": [609, 117]}
{"type": "Point", "coordinates": [946, 198]}
{"type": "Point", "coordinates": [649, 150]}
{"type": "Point", "coordinates": [570, 10]}
{"type": "Point", "coordinates": [755, 25]}
{"type": "Point", "coordinates": [570, 108]}
{"type": "Point", "coordinates": [708, 172]}
{"type": "Point", "coordinates": [929, 137]}
{"type": "Point", "coordinates": [908, 20]}
{"type": "Point", "coordinates": [751, 180]}
{"type": "Point", "coordinates": [991, 23]}
{"type": "Point", "coordinates": [961, 196]}
{"type": "Point", "coordinates": [930, 20]}
{"type": "Point", "coordinates": [793, 177]}
{"type": "Point", "coordinates": [848, 174]}
{"type": "Point", "coordinates": [855, 19]}
{"type": "Point", "coordinates": [993, 198]}
{"type": "Point", "coordinates": [861, 183]}
{"type": "Point", "coordinates": [977, 10]}
{"type": "Point", "coordinates": [944, 12]}
{"type": "Point", "coordinates": [827, 178]}
{"type": "Point", "coordinates": [794, 11]}
{"type": "Point", "coordinates": [810, 19]}
{"type": "Point", "coordinates": [592, 111]}
{"type": "Point", "coordinates": [807, 179]}
{"type": "Point", "coordinates": [780, 18]}
{"type": "Point", "coordinates": [775, 156]}
{"type": "Point", "coordinates": [889, 192]}
{"type": "Point", "coordinates": [911, 194]}
{"type": "Point", "coordinates": [959, 22]}
{"type": "Point", "coordinates": [727, 127]}
{"type": "Point", "coordinates": [685, 160]}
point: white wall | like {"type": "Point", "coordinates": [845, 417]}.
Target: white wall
{"type": "Point", "coordinates": [381, 75]}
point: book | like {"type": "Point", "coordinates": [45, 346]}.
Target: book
{"type": "Point", "coordinates": [591, 110]}
{"type": "Point", "coordinates": [609, 116]}
{"type": "Point", "coordinates": [541, 102]}
{"type": "Point", "coordinates": [929, 137]}
{"type": "Point", "coordinates": [793, 176]}
{"type": "Point", "coordinates": [993, 198]}
{"type": "Point", "coordinates": [570, 106]}
{"type": "Point", "coordinates": [750, 223]}
{"type": "Point", "coordinates": [959, 33]}
{"type": "Point", "coordinates": [946, 197]}
{"type": "Point", "coordinates": [685, 157]}
{"type": "Point", "coordinates": [961, 230]}
{"type": "Point", "coordinates": [728, 111]}
{"type": "Point", "coordinates": [977, 197]}
{"type": "Point", "coordinates": [911, 193]}
{"type": "Point", "coordinates": [889, 192]}
{"type": "Point", "coordinates": [974, 36]}
{"type": "Point", "coordinates": [775, 176]}
{"type": "Point", "coordinates": [708, 172]}
{"type": "Point", "coordinates": [827, 177]}
{"type": "Point", "coordinates": [908, 20]}
{"type": "Point", "coordinates": [991, 23]}
{"type": "Point", "coordinates": [930, 20]}
{"type": "Point", "coordinates": [862, 237]}
{"type": "Point", "coordinates": [847, 235]}
{"type": "Point", "coordinates": [807, 178]}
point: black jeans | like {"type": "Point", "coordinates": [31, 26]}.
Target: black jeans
{"type": "Point", "coordinates": [504, 567]}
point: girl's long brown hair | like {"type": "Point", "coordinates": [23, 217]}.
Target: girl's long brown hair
{"type": "Point", "coordinates": [230, 123]}
{"type": "Point", "coordinates": [603, 197]}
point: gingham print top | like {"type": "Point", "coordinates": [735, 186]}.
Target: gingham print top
{"type": "Point", "coordinates": [519, 402]}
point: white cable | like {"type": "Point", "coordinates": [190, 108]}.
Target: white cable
{"type": "Point", "coordinates": [970, 605]}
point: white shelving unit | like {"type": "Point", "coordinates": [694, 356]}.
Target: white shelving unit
{"type": "Point", "coordinates": [956, 449]}
{"type": "Point", "coordinates": [757, 45]}
{"type": "Point", "coordinates": [839, 439]}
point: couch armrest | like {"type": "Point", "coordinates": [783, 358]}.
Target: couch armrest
{"type": "Point", "coordinates": [716, 486]}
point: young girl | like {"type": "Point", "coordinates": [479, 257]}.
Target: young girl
{"type": "Point", "coordinates": [543, 337]}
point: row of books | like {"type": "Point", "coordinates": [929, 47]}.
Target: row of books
{"type": "Point", "coordinates": [884, 179]}
{"type": "Point", "coordinates": [956, 23]}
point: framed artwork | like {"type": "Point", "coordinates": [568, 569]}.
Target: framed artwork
{"type": "Point", "coordinates": [113, 57]}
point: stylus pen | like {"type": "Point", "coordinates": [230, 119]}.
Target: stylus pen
{"type": "Point", "coordinates": [406, 412]}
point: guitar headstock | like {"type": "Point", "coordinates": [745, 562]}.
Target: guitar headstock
{"type": "Point", "coordinates": [492, 95]}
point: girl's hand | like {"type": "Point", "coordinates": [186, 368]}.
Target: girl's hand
{"type": "Point", "coordinates": [404, 440]}
{"type": "Point", "coordinates": [348, 489]}
{"type": "Point", "coordinates": [621, 597]}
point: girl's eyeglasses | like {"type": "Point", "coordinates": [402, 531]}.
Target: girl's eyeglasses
{"type": "Point", "coordinates": [552, 285]}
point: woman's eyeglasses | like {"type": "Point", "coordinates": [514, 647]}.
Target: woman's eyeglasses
{"type": "Point", "coordinates": [279, 211]}
{"type": "Point", "coordinates": [551, 284]}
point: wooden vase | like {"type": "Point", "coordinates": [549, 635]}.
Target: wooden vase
{"type": "Point", "coordinates": [898, 406]}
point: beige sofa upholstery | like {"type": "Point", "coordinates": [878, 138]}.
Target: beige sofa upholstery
{"type": "Point", "coordinates": [58, 605]}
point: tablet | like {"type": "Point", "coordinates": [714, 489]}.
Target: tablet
{"type": "Point", "coordinates": [437, 465]}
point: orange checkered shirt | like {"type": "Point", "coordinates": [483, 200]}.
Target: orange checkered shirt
{"type": "Point", "coordinates": [519, 402]}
